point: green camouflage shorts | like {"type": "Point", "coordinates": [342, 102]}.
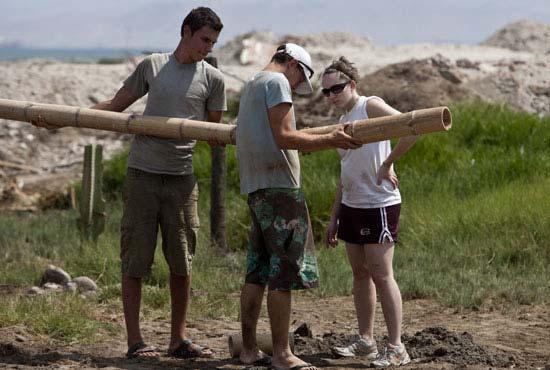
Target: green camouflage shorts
{"type": "Point", "coordinates": [281, 252]}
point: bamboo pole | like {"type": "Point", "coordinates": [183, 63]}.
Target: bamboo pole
{"type": "Point", "coordinates": [417, 122]}
{"type": "Point", "coordinates": [164, 127]}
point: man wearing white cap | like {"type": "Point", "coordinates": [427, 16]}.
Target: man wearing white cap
{"type": "Point", "coordinates": [281, 249]}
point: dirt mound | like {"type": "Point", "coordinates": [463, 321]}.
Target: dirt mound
{"type": "Point", "coordinates": [250, 48]}
{"type": "Point", "coordinates": [329, 40]}
{"type": "Point", "coordinates": [432, 344]}
{"type": "Point", "coordinates": [416, 84]}
{"type": "Point", "coordinates": [258, 46]}
{"type": "Point", "coordinates": [315, 111]}
{"type": "Point", "coordinates": [406, 86]}
{"type": "Point", "coordinates": [38, 161]}
{"type": "Point", "coordinates": [522, 36]}
{"type": "Point", "coordinates": [441, 345]}
{"type": "Point", "coordinates": [523, 85]}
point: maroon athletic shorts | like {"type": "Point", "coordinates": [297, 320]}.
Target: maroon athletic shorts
{"type": "Point", "coordinates": [368, 225]}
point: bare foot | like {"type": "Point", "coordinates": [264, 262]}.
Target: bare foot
{"type": "Point", "coordinates": [254, 357]}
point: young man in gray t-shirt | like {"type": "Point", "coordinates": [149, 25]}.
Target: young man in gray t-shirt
{"type": "Point", "coordinates": [281, 250]}
{"type": "Point", "coordinates": [160, 188]}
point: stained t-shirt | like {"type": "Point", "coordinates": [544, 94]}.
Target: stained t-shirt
{"type": "Point", "coordinates": [262, 164]}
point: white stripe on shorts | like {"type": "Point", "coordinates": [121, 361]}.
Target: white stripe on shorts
{"type": "Point", "coordinates": [385, 230]}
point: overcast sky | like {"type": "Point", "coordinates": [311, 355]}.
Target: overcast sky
{"type": "Point", "coordinates": [154, 24]}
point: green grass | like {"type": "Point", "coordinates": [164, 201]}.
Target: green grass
{"type": "Point", "coordinates": [474, 230]}
{"type": "Point", "coordinates": [64, 317]}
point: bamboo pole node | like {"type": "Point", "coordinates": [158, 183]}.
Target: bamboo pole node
{"type": "Point", "coordinates": [130, 117]}
{"type": "Point", "coordinates": [25, 111]}
{"type": "Point", "coordinates": [410, 123]}
{"type": "Point", "coordinates": [180, 131]}
{"type": "Point", "coordinates": [76, 117]}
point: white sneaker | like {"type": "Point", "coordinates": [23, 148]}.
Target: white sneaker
{"type": "Point", "coordinates": [392, 356]}
{"type": "Point", "coordinates": [360, 347]}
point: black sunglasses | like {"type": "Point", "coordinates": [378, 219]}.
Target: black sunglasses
{"type": "Point", "coordinates": [306, 67]}
{"type": "Point", "coordinates": [335, 89]}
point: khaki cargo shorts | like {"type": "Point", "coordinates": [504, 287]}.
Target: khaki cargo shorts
{"type": "Point", "coordinates": [153, 200]}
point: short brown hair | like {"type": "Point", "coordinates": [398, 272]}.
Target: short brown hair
{"type": "Point", "coordinates": [343, 66]}
{"type": "Point", "coordinates": [200, 17]}
{"type": "Point", "coordinates": [280, 56]}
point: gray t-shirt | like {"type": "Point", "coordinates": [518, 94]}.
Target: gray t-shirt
{"type": "Point", "coordinates": [262, 164]}
{"type": "Point", "coordinates": [174, 90]}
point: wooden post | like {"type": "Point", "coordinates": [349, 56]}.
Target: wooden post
{"type": "Point", "coordinates": [218, 234]}
{"type": "Point", "coordinates": [92, 205]}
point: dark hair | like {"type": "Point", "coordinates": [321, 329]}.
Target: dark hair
{"type": "Point", "coordinates": [200, 17]}
{"type": "Point", "coordinates": [343, 66]}
{"type": "Point", "coordinates": [280, 56]}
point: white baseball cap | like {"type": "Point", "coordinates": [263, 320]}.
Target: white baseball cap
{"type": "Point", "coordinates": [304, 59]}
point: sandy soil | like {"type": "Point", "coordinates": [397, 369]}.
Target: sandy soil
{"type": "Point", "coordinates": [436, 337]}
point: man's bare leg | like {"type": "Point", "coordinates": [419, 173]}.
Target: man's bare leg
{"type": "Point", "coordinates": [251, 305]}
{"type": "Point", "coordinates": [179, 294]}
{"type": "Point", "coordinates": [278, 308]}
{"type": "Point", "coordinates": [131, 301]}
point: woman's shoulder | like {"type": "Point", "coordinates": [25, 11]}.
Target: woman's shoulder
{"type": "Point", "coordinates": [375, 106]}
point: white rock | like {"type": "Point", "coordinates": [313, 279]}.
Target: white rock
{"type": "Point", "coordinates": [84, 283]}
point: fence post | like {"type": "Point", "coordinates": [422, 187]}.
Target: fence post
{"type": "Point", "coordinates": [218, 232]}
{"type": "Point", "coordinates": [92, 205]}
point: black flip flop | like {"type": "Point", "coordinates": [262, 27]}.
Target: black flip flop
{"type": "Point", "coordinates": [138, 349]}
{"type": "Point", "coordinates": [188, 349]}
{"type": "Point", "coordinates": [264, 361]}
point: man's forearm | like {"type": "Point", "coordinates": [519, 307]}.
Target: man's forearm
{"type": "Point", "coordinates": [305, 142]}
{"type": "Point", "coordinates": [104, 105]}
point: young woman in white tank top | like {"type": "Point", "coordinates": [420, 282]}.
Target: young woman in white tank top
{"type": "Point", "coordinates": [365, 215]}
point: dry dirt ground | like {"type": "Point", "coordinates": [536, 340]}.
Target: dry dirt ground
{"type": "Point", "coordinates": [436, 337]}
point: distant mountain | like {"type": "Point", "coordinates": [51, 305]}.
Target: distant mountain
{"type": "Point", "coordinates": [8, 43]}
{"type": "Point", "coordinates": [522, 36]}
